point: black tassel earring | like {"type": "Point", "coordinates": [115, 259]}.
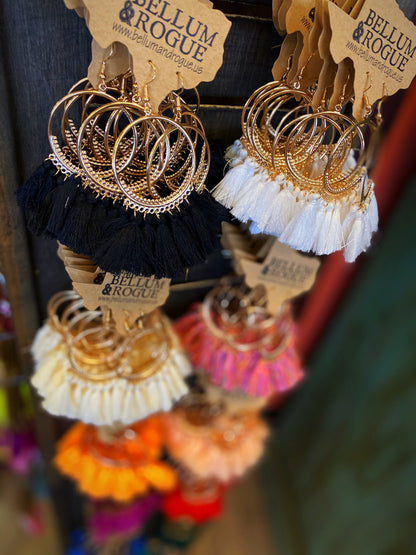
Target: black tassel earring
{"type": "Point", "coordinates": [126, 187]}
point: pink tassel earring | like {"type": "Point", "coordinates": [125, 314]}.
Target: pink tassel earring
{"type": "Point", "coordinates": [232, 338]}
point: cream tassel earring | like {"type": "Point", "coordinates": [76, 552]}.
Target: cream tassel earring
{"type": "Point", "coordinates": [90, 372]}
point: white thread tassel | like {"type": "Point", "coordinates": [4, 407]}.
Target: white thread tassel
{"type": "Point", "coordinates": [336, 238]}
{"type": "Point", "coordinates": [321, 239]}
{"type": "Point", "coordinates": [300, 218]}
{"type": "Point", "coordinates": [372, 213]}
{"type": "Point", "coordinates": [279, 212]}
{"type": "Point", "coordinates": [299, 231]}
{"type": "Point", "coordinates": [46, 339]}
{"type": "Point", "coordinates": [250, 193]}
{"type": "Point", "coordinates": [228, 190]}
{"type": "Point", "coordinates": [359, 226]}
{"type": "Point", "coordinates": [355, 242]}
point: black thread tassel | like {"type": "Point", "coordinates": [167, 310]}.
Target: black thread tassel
{"type": "Point", "coordinates": [112, 236]}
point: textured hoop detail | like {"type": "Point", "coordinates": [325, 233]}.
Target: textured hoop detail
{"type": "Point", "coordinates": [61, 153]}
{"type": "Point", "coordinates": [142, 203]}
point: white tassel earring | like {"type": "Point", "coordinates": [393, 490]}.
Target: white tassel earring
{"type": "Point", "coordinates": [252, 181]}
{"type": "Point", "coordinates": [303, 180]}
{"type": "Point", "coordinates": [335, 203]}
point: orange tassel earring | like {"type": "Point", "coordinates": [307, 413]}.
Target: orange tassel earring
{"type": "Point", "coordinates": [116, 463]}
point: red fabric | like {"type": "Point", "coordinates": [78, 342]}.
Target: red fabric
{"type": "Point", "coordinates": [175, 506]}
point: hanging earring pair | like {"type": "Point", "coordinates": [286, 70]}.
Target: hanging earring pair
{"type": "Point", "coordinates": [210, 441]}
{"type": "Point", "coordinates": [330, 203]}
{"type": "Point", "coordinates": [232, 338]}
{"type": "Point", "coordinates": [251, 177]}
{"type": "Point", "coordinates": [312, 189]}
{"type": "Point", "coordinates": [116, 463]}
{"type": "Point", "coordinates": [86, 369]}
{"type": "Point", "coordinates": [130, 192]}
{"type": "Point", "coordinates": [154, 161]}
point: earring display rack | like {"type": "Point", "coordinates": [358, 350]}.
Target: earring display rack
{"type": "Point", "coordinates": [37, 67]}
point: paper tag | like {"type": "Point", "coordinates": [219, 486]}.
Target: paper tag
{"type": "Point", "coordinates": [235, 401]}
{"type": "Point", "coordinates": [343, 87]}
{"type": "Point", "coordinates": [285, 274]}
{"type": "Point", "coordinates": [177, 35]}
{"type": "Point", "coordinates": [82, 276]}
{"type": "Point", "coordinates": [329, 67]}
{"type": "Point", "coordinates": [238, 256]}
{"type": "Point", "coordinates": [77, 5]}
{"type": "Point", "coordinates": [74, 4]}
{"type": "Point", "coordinates": [381, 42]}
{"type": "Point", "coordinates": [300, 16]}
{"type": "Point", "coordinates": [253, 247]}
{"type": "Point", "coordinates": [332, 77]}
{"type": "Point", "coordinates": [316, 30]}
{"type": "Point", "coordinates": [344, 79]}
{"type": "Point", "coordinates": [120, 60]}
{"type": "Point", "coordinates": [126, 295]}
{"type": "Point", "coordinates": [232, 237]}
{"type": "Point", "coordinates": [299, 19]}
{"type": "Point", "coordinates": [286, 50]}
{"type": "Point", "coordinates": [291, 16]}
{"type": "Point", "coordinates": [275, 16]}
{"type": "Point", "coordinates": [281, 14]}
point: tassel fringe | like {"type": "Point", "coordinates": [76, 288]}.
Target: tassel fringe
{"type": "Point", "coordinates": [235, 370]}
{"type": "Point", "coordinates": [67, 394]}
{"type": "Point", "coordinates": [121, 520]}
{"type": "Point", "coordinates": [124, 472]}
{"type": "Point", "coordinates": [302, 220]}
{"type": "Point", "coordinates": [206, 458]}
{"type": "Point", "coordinates": [113, 237]}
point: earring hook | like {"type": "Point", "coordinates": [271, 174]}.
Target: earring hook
{"type": "Point", "coordinates": [181, 85]}
{"type": "Point", "coordinates": [298, 79]}
{"type": "Point", "coordinates": [111, 53]}
{"type": "Point", "coordinates": [288, 67]}
{"type": "Point", "coordinates": [102, 75]}
{"type": "Point", "coordinates": [146, 98]}
{"type": "Point", "coordinates": [368, 80]}
{"type": "Point", "coordinates": [367, 105]}
{"type": "Point", "coordinates": [379, 115]}
{"type": "Point", "coordinates": [152, 74]}
{"type": "Point", "coordinates": [339, 105]}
